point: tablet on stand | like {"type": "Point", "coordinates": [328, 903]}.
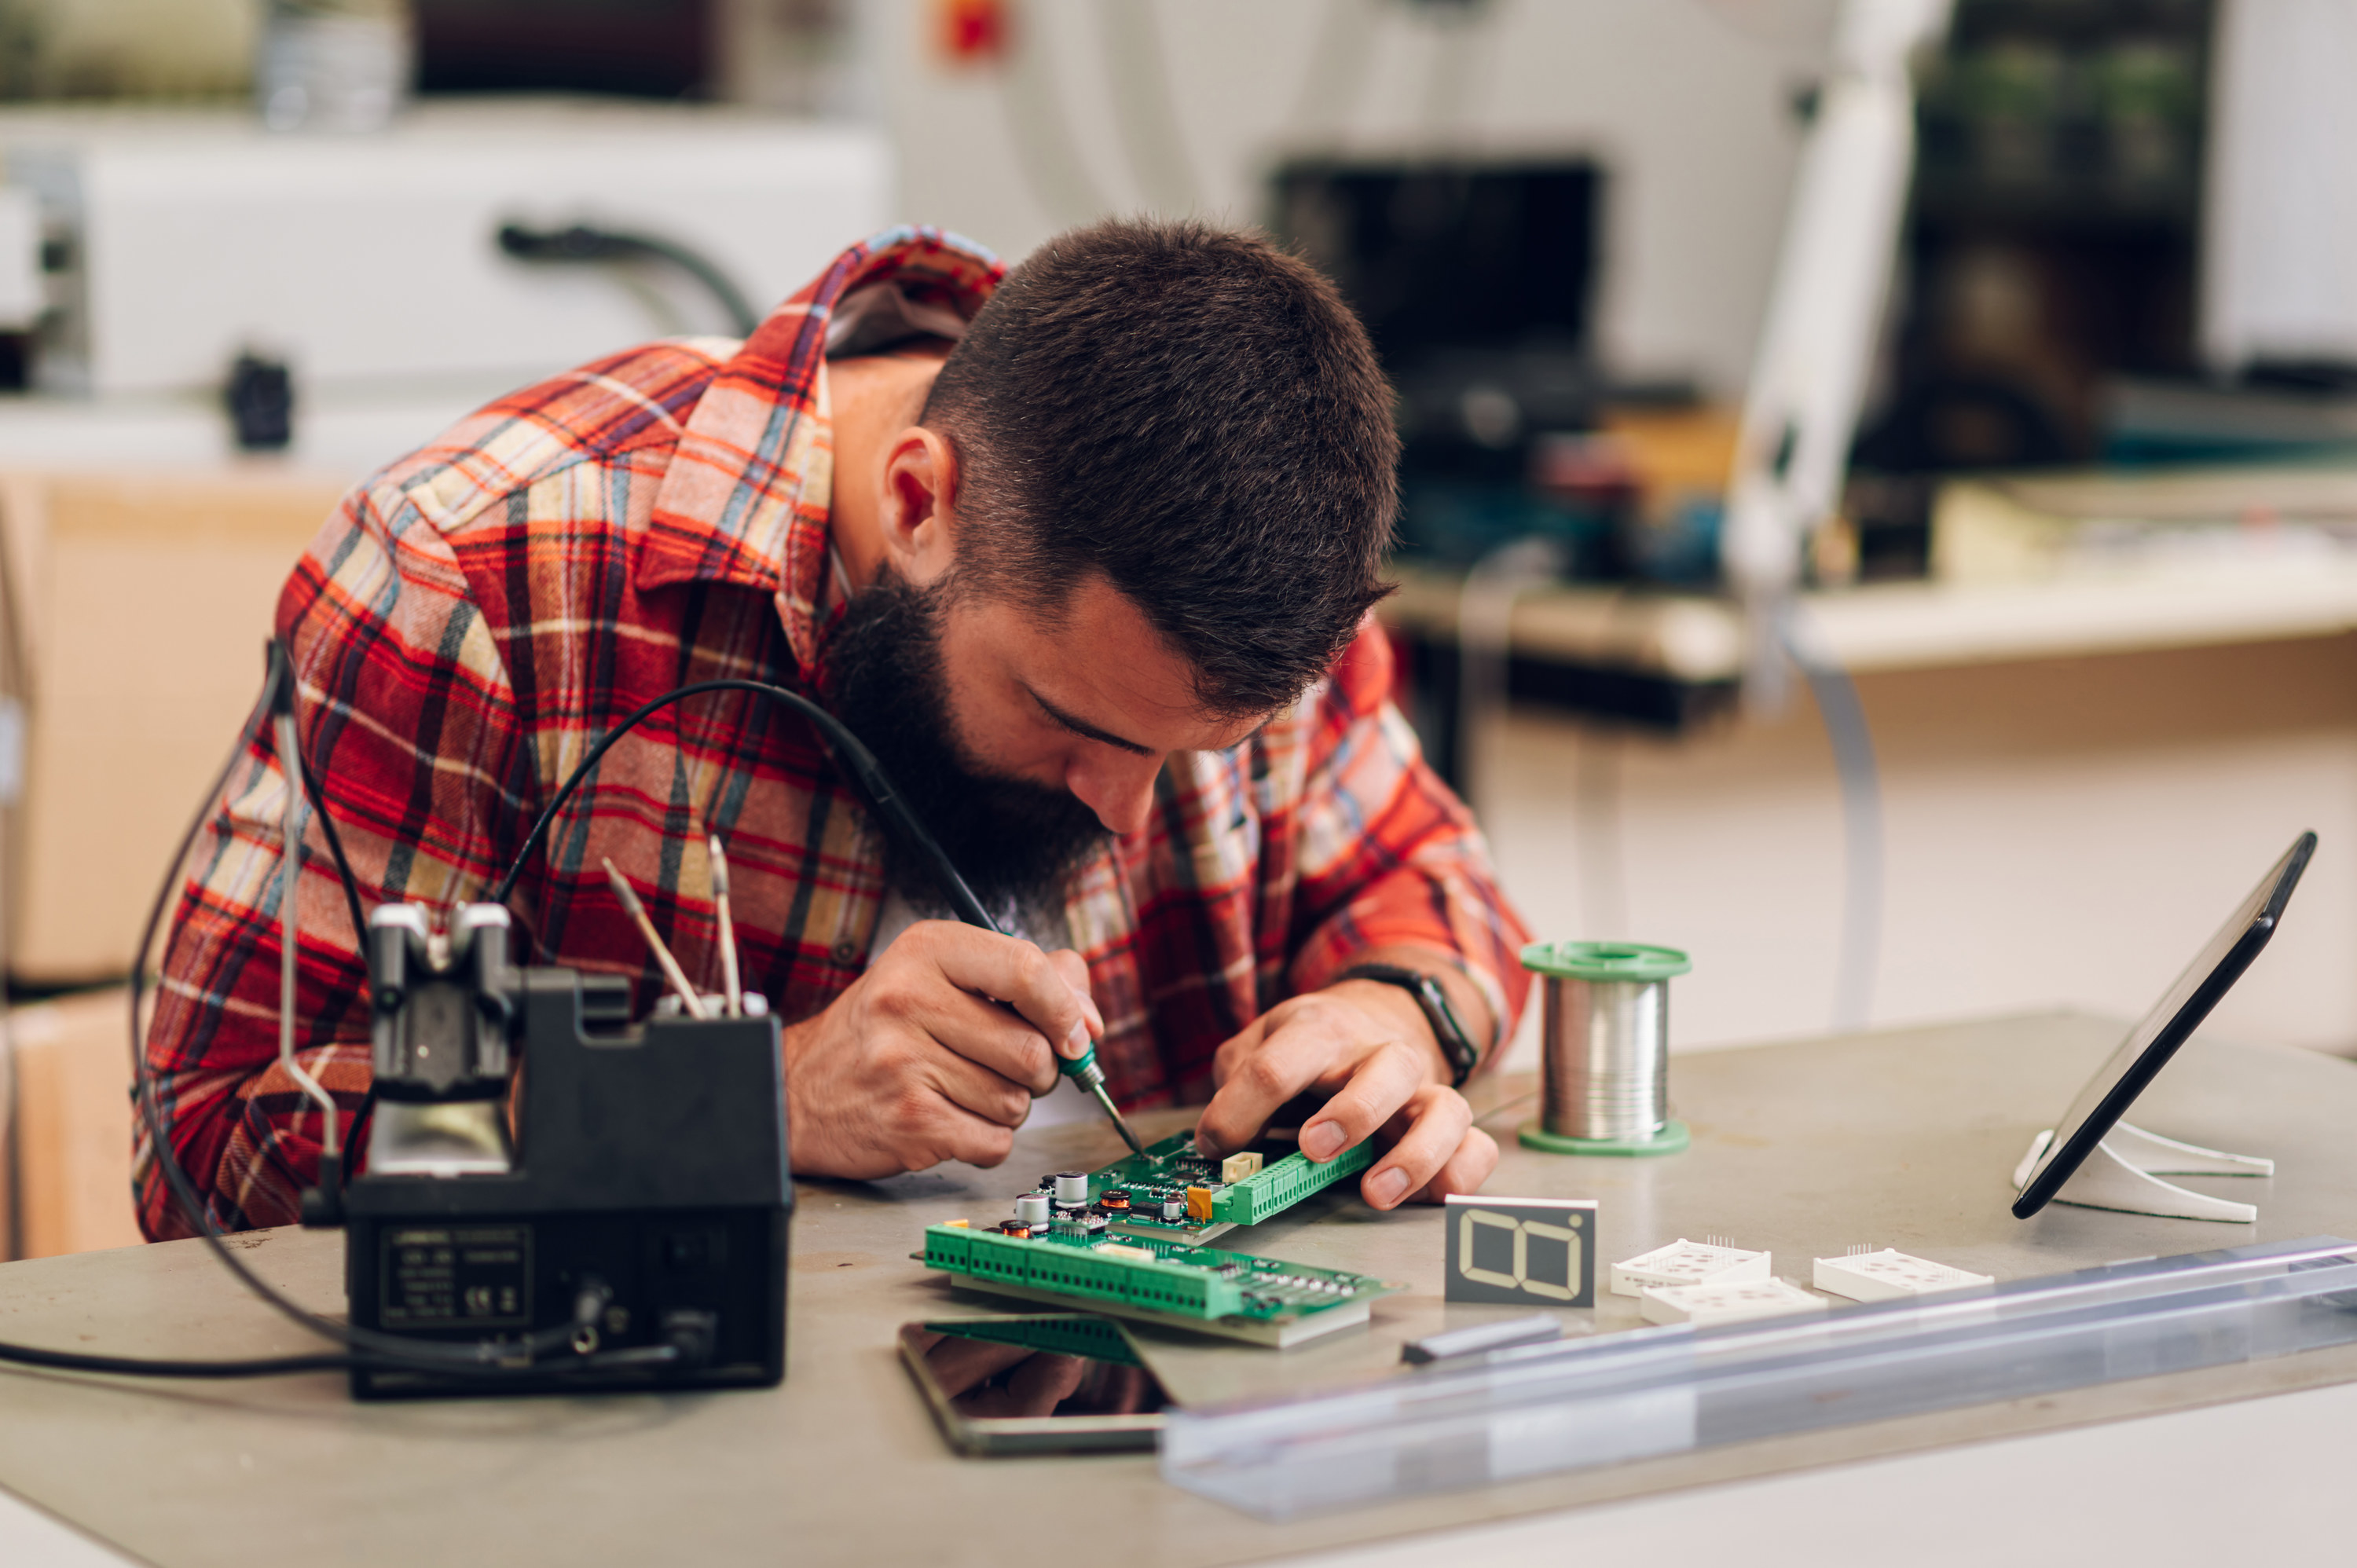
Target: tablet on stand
{"type": "Point", "coordinates": [2105, 1162]}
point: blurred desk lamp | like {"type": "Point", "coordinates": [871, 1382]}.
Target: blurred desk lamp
{"type": "Point", "coordinates": [1832, 279]}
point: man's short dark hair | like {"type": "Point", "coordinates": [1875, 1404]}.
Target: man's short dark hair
{"type": "Point", "coordinates": [1195, 413]}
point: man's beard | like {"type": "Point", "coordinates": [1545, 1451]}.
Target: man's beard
{"type": "Point", "coordinates": [1012, 841]}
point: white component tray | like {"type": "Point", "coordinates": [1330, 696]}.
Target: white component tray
{"type": "Point", "coordinates": [1889, 1274]}
{"type": "Point", "coordinates": [1704, 1305]}
{"type": "Point", "coordinates": [1684, 1262]}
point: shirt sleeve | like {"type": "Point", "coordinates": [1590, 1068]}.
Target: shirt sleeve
{"type": "Point", "coordinates": [1388, 853]}
{"type": "Point", "coordinates": [407, 724]}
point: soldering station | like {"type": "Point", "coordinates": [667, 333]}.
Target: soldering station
{"type": "Point", "coordinates": [1838, 524]}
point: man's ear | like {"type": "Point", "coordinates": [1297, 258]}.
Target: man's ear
{"type": "Point", "coordinates": [920, 510]}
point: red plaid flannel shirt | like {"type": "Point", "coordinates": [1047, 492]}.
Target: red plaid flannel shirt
{"type": "Point", "coordinates": [476, 615]}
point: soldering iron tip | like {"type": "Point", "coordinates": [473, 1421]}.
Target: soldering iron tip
{"type": "Point", "coordinates": [1119, 1124]}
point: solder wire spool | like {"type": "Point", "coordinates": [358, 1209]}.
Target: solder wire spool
{"type": "Point", "coordinates": [1604, 1046]}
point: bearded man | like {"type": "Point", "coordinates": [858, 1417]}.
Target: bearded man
{"type": "Point", "coordinates": [1084, 551]}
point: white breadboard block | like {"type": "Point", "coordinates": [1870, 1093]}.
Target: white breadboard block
{"type": "Point", "coordinates": [1704, 1305]}
{"type": "Point", "coordinates": [1889, 1275]}
{"type": "Point", "coordinates": [1684, 1262]}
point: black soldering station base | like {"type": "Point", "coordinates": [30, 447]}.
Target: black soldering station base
{"type": "Point", "coordinates": [652, 1161]}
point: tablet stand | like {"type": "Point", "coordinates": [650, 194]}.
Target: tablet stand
{"type": "Point", "coordinates": [2122, 1173]}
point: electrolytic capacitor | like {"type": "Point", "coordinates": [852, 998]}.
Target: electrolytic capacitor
{"type": "Point", "coordinates": [1071, 1189]}
{"type": "Point", "coordinates": [1031, 1209]}
{"type": "Point", "coordinates": [1174, 1209]}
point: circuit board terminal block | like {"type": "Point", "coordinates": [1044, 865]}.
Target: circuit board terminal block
{"type": "Point", "coordinates": [1232, 1294]}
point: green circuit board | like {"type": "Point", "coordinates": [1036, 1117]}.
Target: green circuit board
{"type": "Point", "coordinates": [1135, 1192]}
{"type": "Point", "coordinates": [1158, 1281]}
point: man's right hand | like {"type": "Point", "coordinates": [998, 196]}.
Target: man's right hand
{"type": "Point", "coordinates": [916, 1064]}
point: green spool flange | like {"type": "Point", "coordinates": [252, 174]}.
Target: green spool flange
{"type": "Point", "coordinates": [1670, 1139]}
{"type": "Point", "coordinates": [1605, 961]}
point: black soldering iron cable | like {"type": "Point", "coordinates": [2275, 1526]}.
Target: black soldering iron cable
{"type": "Point", "coordinates": [280, 689]}
{"type": "Point", "coordinates": [331, 1361]}
{"type": "Point", "coordinates": [336, 847]}
{"type": "Point", "coordinates": [865, 769]}
{"type": "Point", "coordinates": [146, 1367]}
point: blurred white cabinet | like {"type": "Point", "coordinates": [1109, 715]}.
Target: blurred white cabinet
{"type": "Point", "coordinates": [187, 238]}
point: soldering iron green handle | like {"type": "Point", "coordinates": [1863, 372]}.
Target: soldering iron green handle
{"type": "Point", "coordinates": [1084, 1070]}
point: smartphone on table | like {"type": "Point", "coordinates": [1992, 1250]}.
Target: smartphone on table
{"type": "Point", "coordinates": [1051, 1383]}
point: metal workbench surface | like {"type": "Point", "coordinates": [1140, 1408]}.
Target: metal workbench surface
{"type": "Point", "coordinates": [1897, 1139]}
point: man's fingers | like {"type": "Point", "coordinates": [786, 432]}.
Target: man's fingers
{"type": "Point", "coordinates": [1465, 1171]}
{"type": "Point", "coordinates": [984, 1034]}
{"type": "Point", "coordinates": [1224, 1066]}
{"type": "Point", "coordinates": [957, 1364]}
{"type": "Point", "coordinates": [928, 1127]}
{"type": "Point", "coordinates": [1384, 1082]}
{"type": "Point", "coordinates": [1075, 970]}
{"type": "Point", "coordinates": [1009, 970]}
{"type": "Point", "coordinates": [1044, 1381]}
{"type": "Point", "coordinates": [973, 1087]}
{"type": "Point", "coordinates": [1237, 1047]}
{"type": "Point", "coordinates": [956, 1133]}
{"type": "Point", "coordinates": [1290, 1058]}
{"type": "Point", "coordinates": [1438, 1121]}
{"type": "Point", "coordinates": [1035, 1386]}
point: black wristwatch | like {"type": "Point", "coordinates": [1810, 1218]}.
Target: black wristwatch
{"type": "Point", "coordinates": [1463, 1055]}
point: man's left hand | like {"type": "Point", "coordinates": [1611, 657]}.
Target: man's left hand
{"type": "Point", "coordinates": [1366, 1046]}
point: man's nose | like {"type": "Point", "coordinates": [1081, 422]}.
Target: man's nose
{"type": "Point", "coordinates": [1120, 791]}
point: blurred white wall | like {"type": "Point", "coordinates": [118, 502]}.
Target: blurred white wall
{"type": "Point", "coordinates": [1688, 103]}
{"type": "Point", "coordinates": [2059, 832]}
{"type": "Point", "coordinates": [2279, 273]}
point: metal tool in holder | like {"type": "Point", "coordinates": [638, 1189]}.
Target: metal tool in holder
{"type": "Point", "coordinates": [1605, 1048]}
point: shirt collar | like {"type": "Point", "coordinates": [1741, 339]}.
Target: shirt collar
{"type": "Point", "coordinates": [746, 498]}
